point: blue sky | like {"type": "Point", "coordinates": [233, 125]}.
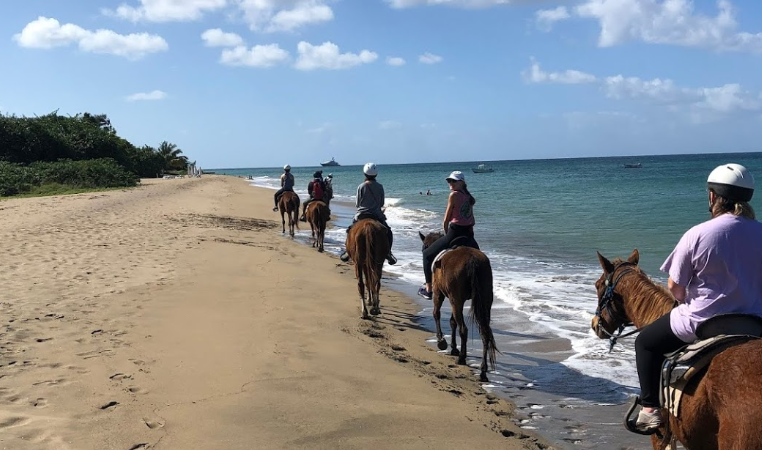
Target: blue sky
{"type": "Point", "coordinates": [258, 83]}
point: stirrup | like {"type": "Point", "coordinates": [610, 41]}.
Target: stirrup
{"type": "Point", "coordinates": [631, 423]}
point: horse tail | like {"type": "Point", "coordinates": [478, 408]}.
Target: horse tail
{"type": "Point", "coordinates": [480, 273]}
{"type": "Point", "coordinates": [295, 209]}
{"type": "Point", "coordinates": [369, 265]}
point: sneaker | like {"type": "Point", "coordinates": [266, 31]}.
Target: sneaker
{"type": "Point", "coordinates": [424, 293]}
{"type": "Point", "coordinates": [648, 420]}
{"type": "Point", "coordinates": [391, 259]}
{"type": "Point", "coordinates": [303, 219]}
{"type": "Point", "coordinates": [344, 257]}
{"type": "Point", "coordinates": [275, 209]}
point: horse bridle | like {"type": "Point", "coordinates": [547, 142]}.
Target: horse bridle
{"type": "Point", "coordinates": [605, 302]}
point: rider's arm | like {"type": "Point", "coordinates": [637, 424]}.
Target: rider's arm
{"type": "Point", "coordinates": [448, 213]}
{"type": "Point", "coordinates": [309, 188]}
{"type": "Point", "coordinates": [282, 180]}
{"type": "Point", "coordinates": [677, 291]}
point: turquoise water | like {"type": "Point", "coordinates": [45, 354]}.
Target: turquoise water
{"type": "Point", "coordinates": [541, 223]}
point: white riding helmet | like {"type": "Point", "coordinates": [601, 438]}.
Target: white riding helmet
{"type": "Point", "coordinates": [287, 167]}
{"type": "Point", "coordinates": [732, 181]}
{"type": "Point", "coordinates": [370, 169]}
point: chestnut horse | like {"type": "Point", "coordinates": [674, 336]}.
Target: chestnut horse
{"type": "Point", "coordinates": [721, 407]}
{"type": "Point", "coordinates": [318, 215]}
{"type": "Point", "coordinates": [367, 246]}
{"type": "Point", "coordinates": [462, 274]}
{"type": "Point", "coordinates": [288, 204]}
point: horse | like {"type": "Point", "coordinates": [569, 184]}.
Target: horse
{"type": "Point", "coordinates": [462, 274]}
{"type": "Point", "coordinates": [318, 215]}
{"type": "Point", "coordinates": [367, 245]}
{"type": "Point", "coordinates": [288, 204]}
{"type": "Point", "coordinates": [721, 407]}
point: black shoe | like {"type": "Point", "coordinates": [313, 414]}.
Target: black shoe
{"type": "Point", "coordinates": [344, 257]}
{"type": "Point", "coordinates": [303, 219]}
{"type": "Point", "coordinates": [391, 259]}
{"type": "Point", "coordinates": [275, 209]}
{"type": "Point", "coordinates": [424, 293]}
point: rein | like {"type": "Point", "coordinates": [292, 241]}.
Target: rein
{"type": "Point", "coordinates": [605, 303]}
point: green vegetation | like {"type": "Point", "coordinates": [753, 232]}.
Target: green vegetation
{"type": "Point", "coordinates": [59, 154]}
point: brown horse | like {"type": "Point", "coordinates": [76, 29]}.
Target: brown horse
{"type": "Point", "coordinates": [462, 274]}
{"type": "Point", "coordinates": [288, 204]}
{"type": "Point", "coordinates": [721, 407]}
{"type": "Point", "coordinates": [318, 215]}
{"type": "Point", "coordinates": [367, 246]}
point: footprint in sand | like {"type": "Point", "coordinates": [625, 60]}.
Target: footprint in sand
{"type": "Point", "coordinates": [153, 423]}
{"type": "Point", "coordinates": [13, 421]}
{"type": "Point", "coordinates": [40, 403]}
{"type": "Point", "coordinates": [136, 390]}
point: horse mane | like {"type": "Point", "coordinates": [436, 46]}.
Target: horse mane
{"type": "Point", "coordinates": [649, 300]}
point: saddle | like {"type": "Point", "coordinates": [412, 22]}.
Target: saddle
{"type": "Point", "coordinates": [680, 367]}
{"type": "Point", "coordinates": [460, 241]}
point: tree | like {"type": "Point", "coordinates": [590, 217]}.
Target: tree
{"type": "Point", "coordinates": [173, 158]}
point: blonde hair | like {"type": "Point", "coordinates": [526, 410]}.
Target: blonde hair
{"type": "Point", "coordinates": [723, 205]}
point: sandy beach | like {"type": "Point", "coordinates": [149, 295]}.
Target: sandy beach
{"type": "Point", "coordinates": [177, 316]}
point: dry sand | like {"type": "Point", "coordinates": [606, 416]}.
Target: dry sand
{"type": "Point", "coordinates": [176, 316]}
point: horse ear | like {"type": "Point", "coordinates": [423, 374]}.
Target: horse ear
{"type": "Point", "coordinates": [423, 238]}
{"type": "Point", "coordinates": [605, 263]}
{"type": "Point", "coordinates": [634, 257]}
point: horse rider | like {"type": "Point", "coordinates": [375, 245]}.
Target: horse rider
{"type": "Point", "coordinates": [286, 184]}
{"type": "Point", "coordinates": [714, 269]}
{"type": "Point", "coordinates": [316, 191]}
{"type": "Point", "coordinates": [458, 222]}
{"type": "Point", "coordinates": [370, 204]}
{"type": "Point", "coordinates": [328, 182]}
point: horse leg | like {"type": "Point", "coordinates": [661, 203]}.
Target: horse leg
{"type": "Point", "coordinates": [361, 290]}
{"type": "Point", "coordinates": [375, 290]}
{"type": "Point", "coordinates": [458, 313]}
{"type": "Point", "coordinates": [283, 221]}
{"type": "Point", "coordinates": [438, 299]}
{"type": "Point", "coordinates": [454, 329]}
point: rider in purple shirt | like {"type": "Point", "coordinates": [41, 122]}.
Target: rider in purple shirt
{"type": "Point", "coordinates": [716, 268]}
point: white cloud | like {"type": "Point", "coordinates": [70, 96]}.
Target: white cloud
{"type": "Point", "coordinates": [668, 22]}
{"type": "Point", "coordinates": [327, 56]}
{"type": "Point", "coordinates": [430, 58]}
{"type": "Point", "coordinates": [388, 125]}
{"type": "Point", "coordinates": [218, 38]}
{"type": "Point", "coordinates": [303, 14]}
{"type": "Point", "coordinates": [547, 17]}
{"type": "Point", "coordinates": [153, 95]}
{"type": "Point", "coordinates": [258, 56]}
{"type": "Point", "coordinates": [457, 3]}
{"type": "Point", "coordinates": [395, 61]}
{"type": "Point", "coordinates": [536, 75]}
{"type": "Point", "coordinates": [48, 33]}
{"type": "Point", "coordinates": [283, 15]}
{"type": "Point", "coordinates": [701, 103]}
{"type": "Point", "coordinates": [320, 129]}
{"type": "Point", "coordinates": [166, 10]}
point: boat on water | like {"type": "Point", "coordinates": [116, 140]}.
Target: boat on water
{"type": "Point", "coordinates": [483, 168]}
{"type": "Point", "coordinates": [330, 163]}
{"type": "Point", "coordinates": [633, 166]}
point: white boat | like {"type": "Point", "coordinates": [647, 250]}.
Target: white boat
{"type": "Point", "coordinates": [483, 168]}
{"type": "Point", "coordinates": [330, 163]}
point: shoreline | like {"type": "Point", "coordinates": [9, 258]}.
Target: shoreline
{"type": "Point", "coordinates": [174, 315]}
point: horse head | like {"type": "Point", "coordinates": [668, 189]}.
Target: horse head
{"type": "Point", "coordinates": [429, 239]}
{"type": "Point", "coordinates": [610, 315]}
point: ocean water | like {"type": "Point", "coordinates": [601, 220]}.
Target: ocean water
{"type": "Point", "coordinates": [541, 223]}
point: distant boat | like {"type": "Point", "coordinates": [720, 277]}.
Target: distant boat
{"type": "Point", "coordinates": [483, 168]}
{"type": "Point", "coordinates": [633, 166]}
{"type": "Point", "coordinates": [330, 163]}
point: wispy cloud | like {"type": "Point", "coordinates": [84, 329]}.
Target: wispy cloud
{"type": "Point", "coordinates": [262, 56]}
{"type": "Point", "coordinates": [536, 75]}
{"type": "Point", "coordinates": [141, 96]}
{"type": "Point", "coordinates": [218, 38]}
{"type": "Point", "coordinates": [430, 58]}
{"type": "Point", "coordinates": [395, 61]}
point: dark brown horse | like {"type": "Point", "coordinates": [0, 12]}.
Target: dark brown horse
{"type": "Point", "coordinates": [288, 205]}
{"type": "Point", "coordinates": [721, 407]}
{"type": "Point", "coordinates": [318, 216]}
{"type": "Point", "coordinates": [462, 274]}
{"type": "Point", "coordinates": [367, 246]}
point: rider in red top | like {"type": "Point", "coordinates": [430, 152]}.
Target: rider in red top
{"type": "Point", "coordinates": [316, 189]}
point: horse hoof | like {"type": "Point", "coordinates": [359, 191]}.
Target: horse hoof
{"type": "Point", "coordinates": [483, 377]}
{"type": "Point", "coordinates": [461, 361]}
{"type": "Point", "coordinates": [442, 345]}
{"type": "Point", "coordinates": [375, 312]}
{"type": "Point", "coordinates": [455, 352]}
